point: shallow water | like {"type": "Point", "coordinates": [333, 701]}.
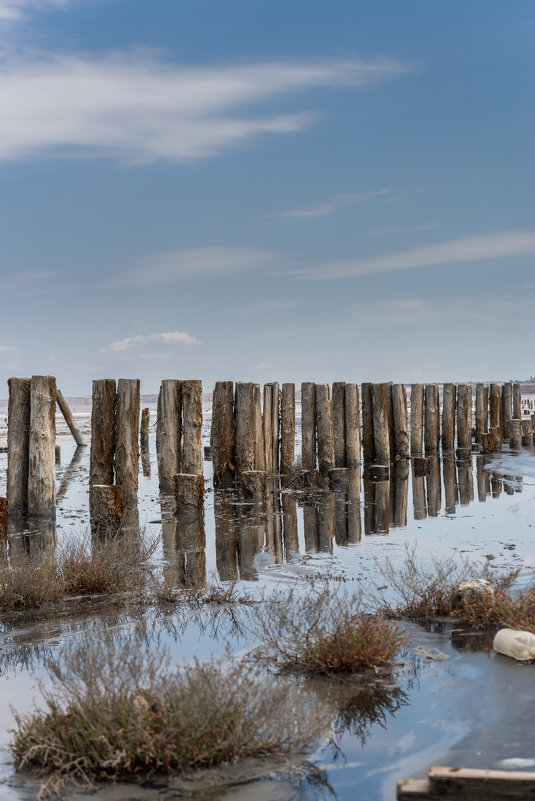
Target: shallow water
{"type": "Point", "coordinates": [473, 708]}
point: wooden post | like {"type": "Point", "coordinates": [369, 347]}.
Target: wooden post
{"type": "Point", "coordinates": [275, 425]}
{"type": "Point", "coordinates": [338, 479]}
{"type": "Point", "coordinates": [507, 409]}
{"type": "Point", "coordinates": [517, 401]}
{"type": "Point", "coordinates": [308, 425]}
{"type": "Point", "coordinates": [464, 416]}
{"type": "Point", "coordinates": [390, 418]}
{"type": "Point", "coordinates": [380, 424]}
{"type": "Point", "coordinates": [496, 433]}
{"type": "Point", "coordinates": [107, 508]}
{"type": "Point", "coordinates": [287, 466]}
{"type": "Point", "coordinates": [253, 484]}
{"type": "Point", "coordinates": [339, 423]}
{"type": "Point", "coordinates": [69, 419]}
{"type": "Point", "coordinates": [158, 421]}
{"type": "Point", "coordinates": [222, 433]}
{"type": "Point", "coordinates": [325, 430]}
{"type": "Point", "coordinates": [192, 452]}
{"type": "Point", "coordinates": [244, 408]}
{"type": "Point", "coordinates": [368, 440]}
{"type": "Point", "coordinates": [482, 411]}
{"type": "Point", "coordinates": [432, 419]}
{"type": "Point", "coordinates": [449, 393]}
{"type": "Point", "coordinates": [527, 432]}
{"type": "Point", "coordinates": [401, 425]}
{"type": "Point", "coordinates": [515, 429]}
{"type": "Point", "coordinates": [352, 422]}
{"type": "Point", "coordinates": [4, 514]}
{"type": "Point", "coordinates": [417, 419]}
{"type": "Point", "coordinates": [126, 450]}
{"type": "Point", "coordinates": [267, 426]}
{"type": "Point", "coordinates": [494, 407]}
{"type": "Point", "coordinates": [42, 467]}
{"type": "Point", "coordinates": [103, 431]}
{"type": "Point", "coordinates": [18, 444]}
{"type": "Point", "coordinates": [144, 430]}
{"type": "Point", "coordinates": [189, 495]}
{"type": "Point", "coordinates": [259, 453]}
{"type": "Point", "coordinates": [170, 427]}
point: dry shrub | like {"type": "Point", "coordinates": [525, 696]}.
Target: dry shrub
{"type": "Point", "coordinates": [115, 708]}
{"type": "Point", "coordinates": [324, 631]}
{"type": "Point", "coordinates": [28, 585]}
{"type": "Point", "coordinates": [83, 567]}
{"type": "Point", "coordinates": [502, 610]}
{"type": "Point", "coordinates": [423, 591]}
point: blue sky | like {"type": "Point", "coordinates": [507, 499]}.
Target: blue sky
{"type": "Point", "coordinates": [266, 191]}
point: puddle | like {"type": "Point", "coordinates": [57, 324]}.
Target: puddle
{"type": "Point", "coordinates": [451, 701]}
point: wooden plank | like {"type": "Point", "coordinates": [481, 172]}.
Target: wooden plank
{"type": "Point", "coordinates": [468, 784]}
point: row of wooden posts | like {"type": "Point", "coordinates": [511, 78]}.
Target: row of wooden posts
{"type": "Point", "coordinates": [252, 435]}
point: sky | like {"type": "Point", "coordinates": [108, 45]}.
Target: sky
{"type": "Point", "coordinates": [288, 190]}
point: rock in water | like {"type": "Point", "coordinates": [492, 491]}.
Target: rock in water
{"type": "Point", "coordinates": [471, 590]}
{"type": "Point", "coordinates": [519, 645]}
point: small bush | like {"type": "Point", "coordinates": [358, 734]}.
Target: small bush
{"type": "Point", "coordinates": [28, 585]}
{"type": "Point", "coordinates": [324, 632]}
{"type": "Point", "coordinates": [423, 592]}
{"type": "Point", "coordinates": [116, 709]}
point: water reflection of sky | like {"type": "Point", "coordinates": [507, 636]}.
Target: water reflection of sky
{"type": "Point", "coordinates": [482, 509]}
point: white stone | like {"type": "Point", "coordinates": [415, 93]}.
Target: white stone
{"type": "Point", "coordinates": [520, 645]}
{"type": "Point", "coordinates": [471, 589]}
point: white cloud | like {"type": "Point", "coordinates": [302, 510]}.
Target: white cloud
{"type": "Point", "coordinates": [466, 249]}
{"type": "Point", "coordinates": [163, 338]}
{"type": "Point", "coordinates": [160, 268]}
{"type": "Point", "coordinates": [139, 108]}
{"type": "Point", "coordinates": [11, 10]}
{"type": "Point", "coordinates": [397, 229]}
{"type": "Point", "coordinates": [336, 202]}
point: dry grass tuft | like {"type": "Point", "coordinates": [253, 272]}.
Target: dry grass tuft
{"type": "Point", "coordinates": [115, 708]}
{"type": "Point", "coordinates": [324, 631]}
{"type": "Point", "coordinates": [83, 567]}
{"type": "Point", "coordinates": [501, 610]}
{"type": "Point", "coordinates": [423, 592]}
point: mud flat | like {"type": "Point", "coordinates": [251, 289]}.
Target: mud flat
{"type": "Point", "coordinates": [448, 701]}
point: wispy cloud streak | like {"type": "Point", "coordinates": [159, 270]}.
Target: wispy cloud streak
{"type": "Point", "coordinates": [467, 249]}
{"type": "Point", "coordinates": [162, 338]}
{"type": "Point", "coordinates": [139, 109]}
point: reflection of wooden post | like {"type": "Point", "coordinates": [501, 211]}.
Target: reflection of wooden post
{"type": "Point", "coordinates": [401, 483]}
{"type": "Point", "coordinates": [399, 405]}
{"type": "Point", "coordinates": [417, 419]}
{"type": "Point", "coordinates": [449, 393]}
{"type": "Point", "coordinates": [103, 431]}
{"type": "Point", "coordinates": [368, 441]}
{"type": "Point", "coordinates": [339, 423]}
{"type": "Point", "coordinates": [192, 451]}
{"type": "Point", "coordinates": [253, 485]}
{"type": "Point", "coordinates": [352, 421]}
{"type": "Point", "coordinates": [107, 508]}
{"type": "Point", "coordinates": [432, 419]}
{"type": "Point", "coordinates": [4, 509]}
{"type": "Point", "coordinates": [466, 483]}
{"type": "Point", "coordinates": [418, 496]}
{"type": "Point", "coordinates": [42, 460]}
{"type": "Point", "coordinates": [222, 433]}
{"type": "Point", "coordinates": [69, 419]}
{"type": "Point", "coordinates": [244, 408]}
{"type": "Point", "coordinates": [18, 444]}
{"type": "Point", "coordinates": [259, 454]}
{"type": "Point", "coordinates": [433, 487]}
{"type": "Point", "coordinates": [126, 451]}
{"type": "Point", "coordinates": [324, 426]}
{"type": "Point", "coordinates": [287, 466]}
{"type": "Point", "coordinates": [450, 483]}
{"type": "Point", "coordinates": [289, 521]}
{"type": "Point", "coordinates": [380, 424]}
{"type": "Point", "coordinates": [354, 521]}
